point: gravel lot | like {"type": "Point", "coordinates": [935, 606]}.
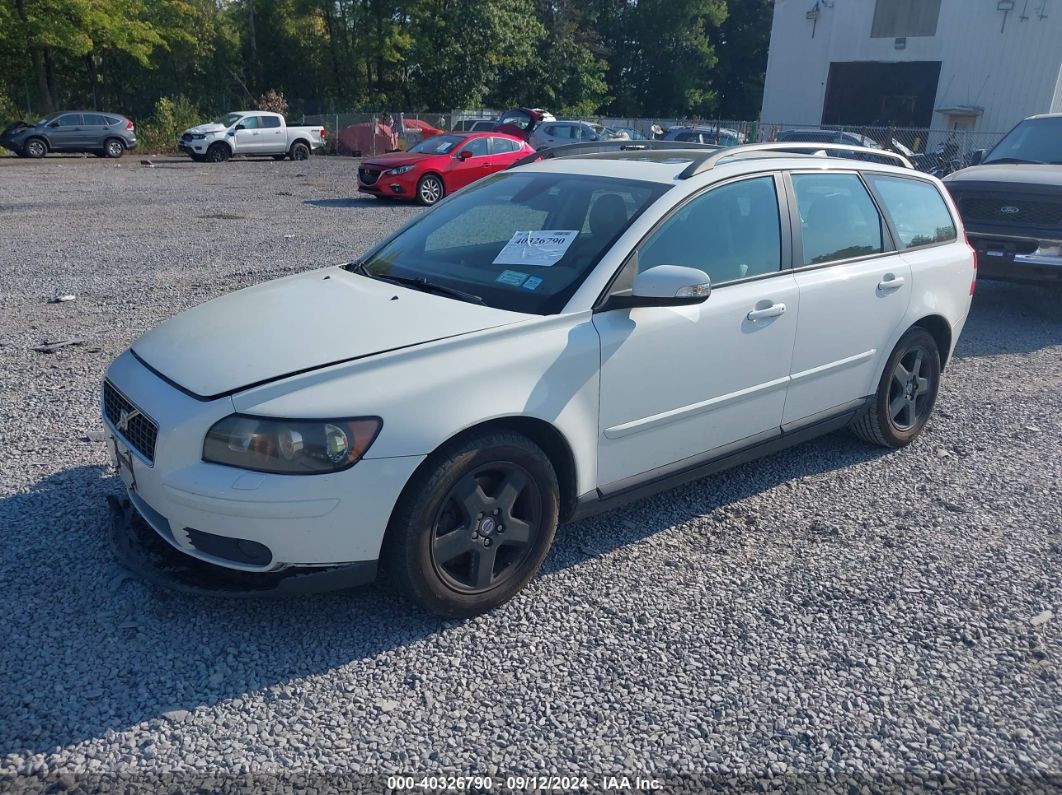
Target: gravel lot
{"type": "Point", "coordinates": [832, 611]}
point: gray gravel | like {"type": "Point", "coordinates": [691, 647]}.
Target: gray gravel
{"type": "Point", "coordinates": [831, 611]}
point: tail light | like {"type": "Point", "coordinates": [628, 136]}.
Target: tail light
{"type": "Point", "coordinates": [129, 124]}
{"type": "Point", "coordinates": [973, 253]}
{"type": "Point", "coordinates": [324, 133]}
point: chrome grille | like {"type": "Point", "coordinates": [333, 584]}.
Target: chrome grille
{"type": "Point", "coordinates": [368, 176]}
{"type": "Point", "coordinates": [135, 428]}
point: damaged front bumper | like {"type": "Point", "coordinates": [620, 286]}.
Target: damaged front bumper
{"type": "Point", "coordinates": [142, 551]}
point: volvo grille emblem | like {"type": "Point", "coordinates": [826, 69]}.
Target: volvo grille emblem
{"type": "Point", "coordinates": [125, 418]}
{"type": "Point", "coordinates": [1010, 210]}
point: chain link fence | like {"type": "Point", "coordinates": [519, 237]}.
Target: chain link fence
{"type": "Point", "coordinates": [939, 151]}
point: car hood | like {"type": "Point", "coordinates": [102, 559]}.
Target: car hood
{"type": "Point", "coordinates": [301, 323]}
{"type": "Point", "coordinates": [209, 127]}
{"type": "Point", "coordinates": [396, 159]}
{"type": "Point", "coordinates": [1028, 174]}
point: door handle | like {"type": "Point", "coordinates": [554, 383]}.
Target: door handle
{"type": "Point", "coordinates": [890, 282]}
{"type": "Point", "coordinates": [774, 310]}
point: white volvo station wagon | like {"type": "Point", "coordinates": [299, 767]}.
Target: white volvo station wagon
{"type": "Point", "coordinates": [548, 342]}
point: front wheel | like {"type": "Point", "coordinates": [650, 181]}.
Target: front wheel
{"type": "Point", "coordinates": [430, 190]}
{"type": "Point", "coordinates": [218, 153]}
{"type": "Point", "coordinates": [35, 148]}
{"type": "Point", "coordinates": [470, 532]}
{"type": "Point", "coordinates": [906, 392]}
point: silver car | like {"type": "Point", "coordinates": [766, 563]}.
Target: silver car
{"type": "Point", "coordinates": [559, 133]}
{"type": "Point", "coordinates": [103, 134]}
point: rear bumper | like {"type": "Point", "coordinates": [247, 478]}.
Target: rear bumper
{"type": "Point", "coordinates": [1019, 259]}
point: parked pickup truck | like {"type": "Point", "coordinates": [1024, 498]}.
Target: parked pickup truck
{"type": "Point", "coordinates": [1011, 203]}
{"type": "Point", "coordinates": [250, 132]}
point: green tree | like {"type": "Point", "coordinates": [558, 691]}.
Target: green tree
{"type": "Point", "coordinates": [739, 75]}
{"type": "Point", "coordinates": [660, 55]}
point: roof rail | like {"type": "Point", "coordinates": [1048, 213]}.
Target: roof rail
{"type": "Point", "coordinates": [612, 145]}
{"type": "Point", "coordinates": [821, 149]}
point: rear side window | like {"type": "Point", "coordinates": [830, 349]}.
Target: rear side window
{"type": "Point", "coordinates": [111, 120]}
{"type": "Point", "coordinates": [838, 219]}
{"type": "Point", "coordinates": [503, 145]}
{"type": "Point", "coordinates": [270, 121]}
{"type": "Point", "coordinates": [917, 210]}
{"type": "Point", "coordinates": [94, 120]}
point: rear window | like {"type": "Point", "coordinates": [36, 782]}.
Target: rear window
{"type": "Point", "coordinates": [917, 210]}
{"type": "Point", "coordinates": [111, 120]}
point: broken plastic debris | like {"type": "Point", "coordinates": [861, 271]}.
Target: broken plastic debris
{"type": "Point", "coordinates": [52, 347]}
{"type": "Point", "coordinates": [62, 299]}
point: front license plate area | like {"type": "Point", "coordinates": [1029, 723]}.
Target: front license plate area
{"type": "Point", "coordinates": [123, 464]}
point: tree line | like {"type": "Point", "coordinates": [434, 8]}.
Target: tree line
{"type": "Point", "coordinates": [656, 58]}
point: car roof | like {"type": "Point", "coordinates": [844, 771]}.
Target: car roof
{"type": "Point", "coordinates": [668, 166]}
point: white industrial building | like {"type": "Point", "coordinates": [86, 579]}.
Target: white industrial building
{"type": "Point", "coordinates": [975, 65]}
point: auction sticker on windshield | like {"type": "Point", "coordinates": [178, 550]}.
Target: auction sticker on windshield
{"type": "Point", "coordinates": [544, 248]}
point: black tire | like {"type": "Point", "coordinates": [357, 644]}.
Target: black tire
{"type": "Point", "coordinates": [906, 392]}
{"type": "Point", "coordinates": [473, 527]}
{"type": "Point", "coordinates": [35, 148]}
{"type": "Point", "coordinates": [430, 190]}
{"type": "Point", "coordinates": [280, 157]}
{"type": "Point", "coordinates": [300, 151]}
{"type": "Point", "coordinates": [218, 153]}
{"type": "Point", "coordinates": [198, 158]}
{"type": "Point", "coordinates": [113, 148]}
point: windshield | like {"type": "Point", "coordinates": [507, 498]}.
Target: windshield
{"type": "Point", "coordinates": [519, 241]}
{"type": "Point", "coordinates": [438, 144]}
{"type": "Point", "coordinates": [228, 119]}
{"type": "Point", "coordinates": [1032, 141]}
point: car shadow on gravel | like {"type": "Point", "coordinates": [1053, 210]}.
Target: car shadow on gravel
{"type": "Point", "coordinates": [89, 649]}
{"type": "Point", "coordinates": [1012, 318]}
{"type": "Point", "coordinates": [353, 203]}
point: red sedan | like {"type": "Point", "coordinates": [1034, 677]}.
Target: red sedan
{"type": "Point", "coordinates": [440, 165]}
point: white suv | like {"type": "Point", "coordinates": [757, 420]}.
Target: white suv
{"type": "Point", "coordinates": [551, 341]}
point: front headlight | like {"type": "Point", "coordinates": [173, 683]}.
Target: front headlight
{"type": "Point", "coordinates": [289, 447]}
{"type": "Point", "coordinates": [394, 172]}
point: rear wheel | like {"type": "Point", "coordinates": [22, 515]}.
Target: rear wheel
{"type": "Point", "coordinates": [113, 148]}
{"type": "Point", "coordinates": [430, 190]}
{"type": "Point", "coordinates": [470, 532]}
{"type": "Point", "coordinates": [35, 148]}
{"type": "Point", "coordinates": [300, 151]}
{"type": "Point", "coordinates": [906, 392]}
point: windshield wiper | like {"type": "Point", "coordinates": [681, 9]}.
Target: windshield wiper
{"type": "Point", "coordinates": [999, 160]}
{"type": "Point", "coordinates": [417, 283]}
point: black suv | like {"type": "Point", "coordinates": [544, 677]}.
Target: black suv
{"type": "Point", "coordinates": [1011, 203]}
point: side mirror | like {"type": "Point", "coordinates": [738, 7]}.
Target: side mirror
{"type": "Point", "coordinates": [238, 127]}
{"type": "Point", "coordinates": [977, 156]}
{"type": "Point", "coordinates": [671, 285]}
{"type": "Point", "coordinates": [464, 154]}
{"type": "Point", "coordinates": [593, 136]}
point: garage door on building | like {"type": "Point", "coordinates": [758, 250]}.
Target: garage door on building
{"type": "Point", "coordinates": [876, 93]}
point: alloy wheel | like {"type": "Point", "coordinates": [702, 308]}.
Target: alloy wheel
{"type": "Point", "coordinates": [910, 391]}
{"type": "Point", "coordinates": [114, 149]}
{"type": "Point", "coordinates": [486, 528]}
{"type": "Point", "coordinates": [431, 190]}
{"type": "Point", "coordinates": [35, 148]}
